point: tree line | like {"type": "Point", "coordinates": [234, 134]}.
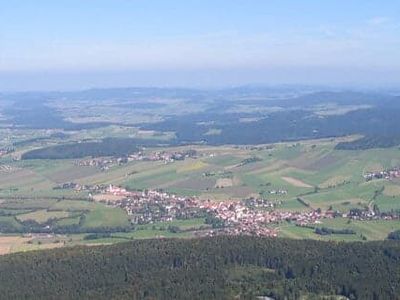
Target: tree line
{"type": "Point", "coordinates": [207, 268]}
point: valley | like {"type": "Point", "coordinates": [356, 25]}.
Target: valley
{"type": "Point", "coordinates": [296, 188]}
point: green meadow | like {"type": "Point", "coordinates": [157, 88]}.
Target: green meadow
{"type": "Point", "coordinates": [321, 176]}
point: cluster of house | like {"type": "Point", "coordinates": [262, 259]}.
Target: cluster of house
{"type": "Point", "coordinates": [250, 216]}
{"type": "Point", "coordinates": [387, 174]}
{"type": "Point", "coordinates": [106, 163]}
{"type": "Point", "coordinates": [258, 148]}
{"type": "Point", "coordinates": [371, 214]}
{"type": "Point", "coordinates": [165, 156]}
{"type": "Point", "coordinates": [244, 219]}
{"type": "Point", "coordinates": [237, 217]}
{"type": "Point", "coordinates": [103, 164]}
{"type": "Point", "coordinates": [261, 203]}
{"type": "Point", "coordinates": [278, 192]}
{"type": "Point", "coordinates": [97, 188]}
{"type": "Point", "coordinates": [151, 206]}
{"type": "Point", "coordinates": [245, 230]}
{"type": "Point", "coordinates": [223, 174]}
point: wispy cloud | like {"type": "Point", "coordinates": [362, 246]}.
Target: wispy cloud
{"type": "Point", "coordinates": [364, 44]}
{"type": "Point", "coordinates": [379, 20]}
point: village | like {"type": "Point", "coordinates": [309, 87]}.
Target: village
{"type": "Point", "coordinates": [249, 216]}
{"type": "Point", "coordinates": [386, 174]}
{"type": "Point", "coordinates": [165, 156]}
{"type": "Point", "coordinates": [254, 216]}
{"type": "Point", "coordinates": [106, 163]}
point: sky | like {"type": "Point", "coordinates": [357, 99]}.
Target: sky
{"type": "Point", "coordinates": [76, 44]}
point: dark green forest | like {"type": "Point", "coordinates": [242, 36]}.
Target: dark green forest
{"type": "Point", "coordinates": [296, 120]}
{"type": "Point", "coordinates": [380, 131]}
{"type": "Point", "coordinates": [107, 147]}
{"type": "Point", "coordinates": [207, 268]}
{"type": "Point", "coordinates": [378, 125]}
{"type": "Point", "coordinates": [118, 147]}
{"type": "Point", "coordinates": [369, 142]}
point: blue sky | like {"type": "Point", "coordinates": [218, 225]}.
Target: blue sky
{"type": "Point", "coordinates": [70, 44]}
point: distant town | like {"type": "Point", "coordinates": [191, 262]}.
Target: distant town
{"type": "Point", "coordinates": [251, 216]}
{"type": "Point", "coordinates": [166, 156]}
{"type": "Point", "coordinates": [386, 174]}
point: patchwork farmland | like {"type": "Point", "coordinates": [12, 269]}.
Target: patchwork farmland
{"type": "Point", "coordinates": [313, 171]}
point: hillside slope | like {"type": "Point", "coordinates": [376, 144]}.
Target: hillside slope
{"type": "Point", "coordinates": [209, 268]}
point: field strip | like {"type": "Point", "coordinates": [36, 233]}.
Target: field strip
{"type": "Point", "coordinates": [296, 182]}
{"type": "Point", "coordinates": [9, 242]}
{"type": "Point", "coordinates": [275, 166]}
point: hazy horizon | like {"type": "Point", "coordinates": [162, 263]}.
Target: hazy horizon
{"type": "Point", "coordinates": [69, 45]}
{"type": "Point", "coordinates": [49, 81]}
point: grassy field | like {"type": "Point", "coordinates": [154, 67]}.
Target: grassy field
{"type": "Point", "coordinates": [364, 230]}
{"type": "Point", "coordinates": [106, 216]}
{"type": "Point", "coordinates": [84, 214]}
{"type": "Point", "coordinates": [11, 243]}
{"type": "Point", "coordinates": [297, 168]}
{"type": "Point", "coordinates": [313, 170]}
{"type": "Point", "coordinates": [42, 216]}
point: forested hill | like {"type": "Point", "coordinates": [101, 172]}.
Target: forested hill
{"type": "Point", "coordinates": [209, 268]}
{"type": "Point", "coordinates": [106, 147]}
